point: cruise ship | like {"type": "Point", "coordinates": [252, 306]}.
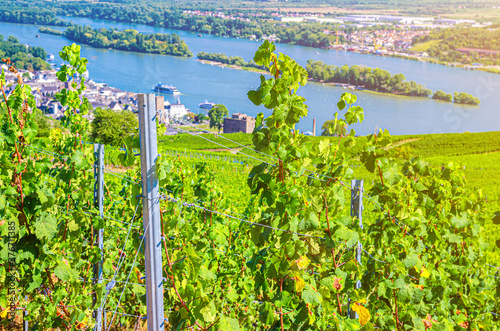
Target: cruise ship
{"type": "Point", "coordinates": [166, 89]}
{"type": "Point", "coordinates": [207, 105]}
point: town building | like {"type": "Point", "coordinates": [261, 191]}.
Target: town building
{"type": "Point", "coordinates": [451, 21]}
{"type": "Point", "coordinates": [168, 112]}
{"type": "Point", "coordinates": [239, 122]}
{"type": "Point", "coordinates": [177, 111]}
{"type": "Point", "coordinates": [290, 19]}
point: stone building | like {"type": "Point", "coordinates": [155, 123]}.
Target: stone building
{"type": "Point", "coordinates": [169, 111]}
{"type": "Point", "coordinates": [239, 123]}
{"type": "Point", "coordinates": [161, 112]}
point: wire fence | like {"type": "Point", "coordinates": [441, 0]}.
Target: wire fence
{"type": "Point", "coordinates": [118, 277]}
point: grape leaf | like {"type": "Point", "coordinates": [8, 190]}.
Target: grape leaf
{"type": "Point", "coordinates": [228, 324]}
{"type": "Point", "coordinates": [45, 227]}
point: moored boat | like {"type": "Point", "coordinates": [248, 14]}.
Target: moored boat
{"type": "Point", "coordinates": [169, 89]}
{"type": "Point", "coordinates": [206, 105]}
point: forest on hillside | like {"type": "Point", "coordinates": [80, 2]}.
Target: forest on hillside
{"type": "Point", "coordinates": [449, 40]}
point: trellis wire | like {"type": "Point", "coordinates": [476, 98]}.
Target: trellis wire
{"type": "Point", "coordinates": [128, 277]}
{"type": "Point", "coordinates": [122, 258]}
{"type": "Point", "coordinates": [312, 172]}
{"type": "Point", "coordinates": [193, 205]}
{"type": "Point", "coordinates": [186, 204]}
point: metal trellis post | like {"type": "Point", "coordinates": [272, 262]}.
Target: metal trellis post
{"type": "Point", "coordinates": [151, 211]}
{"type": "Point", "coordinates": [98, 233]}
{"type": "Point", "coordinates": [357, 211]}
{"type": "Point", "coordinates": [25, 314]}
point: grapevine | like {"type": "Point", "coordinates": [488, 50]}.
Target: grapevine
{"type": "Point", "coordinates": [273, 250]}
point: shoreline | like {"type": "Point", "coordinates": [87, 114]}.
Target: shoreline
{"type": "Point", "coordinates": [224, 65]}
{"type": "Point", "coordinates": [155, 52]}
{"type": "Point", "coordinates": [464, 66]}
{"type": "Point", "coordinates": [361, 88]}
{"type": "Point", "coordinates": [343, 85]}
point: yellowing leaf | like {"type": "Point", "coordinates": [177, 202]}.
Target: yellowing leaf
{"type": "Point", "coordinates": [364, 314]}
{"type": "Point", "coordinates": [82, 325]}
{"type": "Point", "coordinates": [424, 273]}
{"type": "Point", "coordinates": [302, 262]}
{"type": "Point", "coordinates": [3, 314]}
{"type": "Point", "coordinates": [299, 284]}
{"type": "Point", "coordinates": [427, 322]}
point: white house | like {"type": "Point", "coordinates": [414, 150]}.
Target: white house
{"type": "Point", "coordinates": [172, 111]}
{"type": "Point", "coordinates": [177, 111]}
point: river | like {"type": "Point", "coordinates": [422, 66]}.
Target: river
{"type": "Point", "coordinates": [197, 82]}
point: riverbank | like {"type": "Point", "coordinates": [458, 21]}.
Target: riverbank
{"type": "Point", "coordinates": [365, 90]}
{"type": "Point", "coordinates": [232, 66]}
{"type": "Point", "coordinates": [379, 80]}
{"type": "Point", "coordinates": [406, 56]}
{"type": "Point", "coordinates": [362, 89]}
{"type": "Point", "coordinates": [277, 32]}
{"type": "Point", "coordinates": [197, 82]}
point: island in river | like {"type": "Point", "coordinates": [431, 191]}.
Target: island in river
{"type": "Point", "coordinates": [353, 77]}
{"type": "Point", "coordinates": [125, 40]}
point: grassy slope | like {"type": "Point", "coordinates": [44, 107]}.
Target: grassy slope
{"type": "Point", "coordinates": [478, 152]}
{"type": "Point", "coordinates": [424, 47]}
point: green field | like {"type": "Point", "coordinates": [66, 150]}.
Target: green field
{"type": "Point", "coordinates": [424, 47]}
{"type": "Point", "coordinates": [477, 153]}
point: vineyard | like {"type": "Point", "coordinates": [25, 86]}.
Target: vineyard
{"type": "Point", "coordinates": [279, 232]}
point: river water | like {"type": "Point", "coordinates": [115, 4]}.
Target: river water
{"type": "Point", "coordinates": [138, 72]}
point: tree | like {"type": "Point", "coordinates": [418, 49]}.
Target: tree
{"type": "Point", "coordinates": [466, 98]}
{"type": "Point", "coordinates": [440, 95]}
{"type": "Point", "coordinates": [13, 40]}
{"type": "Point", "coordinates": [201, 117]}
{"type": "Point", "coordinates": [331, 128]}
{"type": "Point", "coordinates": [111, 127]}
{"type": "Point", "coordinates": [216, 115]}
{"type": "Point", "coordinates": [39, 52]}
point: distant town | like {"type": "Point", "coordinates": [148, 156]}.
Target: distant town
{"type": "Point", "coordinates": [376, 34]}
{"type": "Point", "coordinates": [358, 21]}
{"type": "Point", "coordinates": [45, 85]}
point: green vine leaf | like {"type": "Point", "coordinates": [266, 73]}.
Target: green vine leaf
{"type": "Point", "coordinates": [45, 227]}
{"type": "Point", "coordinates": [229, 324]}
{"type": "Point", "coordinates": [65, 273]}
{"type": "Point", "coordinates": [311, 296]}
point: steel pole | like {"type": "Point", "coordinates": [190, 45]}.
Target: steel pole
{"type": "Point", "coordinates": [151, 212]}
{"type": "Point", "coordinates": [98, 233]}
{"type": "Point", "coordinates": [357, 211]}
